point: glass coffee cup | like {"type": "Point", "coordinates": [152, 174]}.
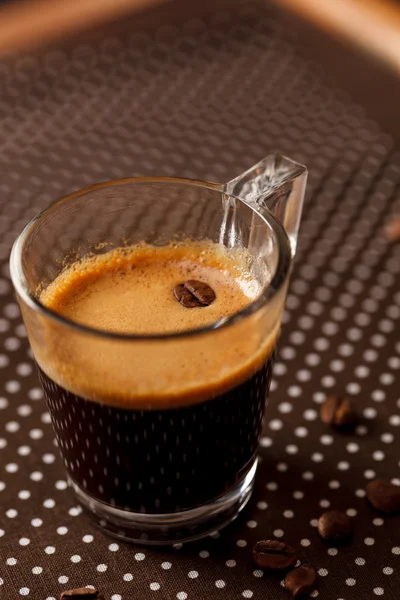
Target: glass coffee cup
{"type": "Point", "coordinates": [159, 430]}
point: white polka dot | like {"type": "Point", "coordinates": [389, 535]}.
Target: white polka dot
{"type": "Point", "coordinates": [102, 568]}
{"type": "Point", "coordinates": [308, 475]}
{"type": "Point", "coordinates": [369, 413]}
{"type": "Point", "coordinates": [36, 522]}
{"type": "Point", "coordinates": [11, 513]}
{"type": "Point", "coordinates": [24, 369]}
{"type": "Point", "coordinates": [12, 387]}
{"type": "Point", "coordinates": [24, 541]}
{"type": "Point", "coordinates": [298, 495]}
{"type": "Point", "coordinates": [12, 426]}
{"type": "Point", "coordinates": [314, 522]}
{"type": "Point", "coordinates": [362, 371]}
{"type": "Point", "coordinates": [353, 388]}
{"type": "Point", "coordinates": [11, 468]}
{"type": "Point", "coordinates": [252, 524]}
{"type": "Point", "coordinates": [303, 375]}
{"type": "Point", "coordinates": [75, 511]}
{"type": "Point", "coordinates": [113, 547]}
{"type": "Point", "coordinates": [378, 395]}
{"type": "Point", "coordinates": [345, 349]}
{"type": "Point", "coordinates": [24, 494]}
{"type": "Point", "coordinates": [240, 543]}
{"type": "Point", "coordinates": [369, 541]}
{"type": "Point", "coordinates": [194, 574]}
{"type": "Point", "coordinates": [262, 505]}
{"type": "Point", "coordinates": [61, 484]}
{"type": "Point", "coordinates": [285, 407]}
{"type": "Point", "coordinates": [24, 410]}
{"type": "Point", "coordinates": [87, 539]}
{"type": "Point", "coordinates": [337, 365]}
{"type": "Point", "coordinates": [396, 550]}
{"type": "Point", "coordinates": [272, 486]}
{"type": "Point", "coordinates": [326, 439]}
{"type": "Point", "coordinates": [37, 570]}
{"type": "Point", "coordinates": [334, 485]}
{"type": "Point", "coordinates": [75, 558]}
{"type": "Point", "coordinates": [11, 561]}
{"type": "Point", "coordinates": [332, 551]}
{"type": "Point", "coordinates": [394, 420]}
{"type": "Point", "coordinates": [387, 571]}
{"type": "Point", "coordinates": [181, 595]}
{"type": "Point", "coordinates": [278, 533]}
{"type": "Point", "coordinates": [301, 432]}
{"type": "Point", "coordinates": [220, 583]}
{"type": "Point", "coordinates": [319, 397]}
{"type": "Point", "coordinates": [247, 594]}
{"type": "Point", "coordinates": [24, 591]}
{"type": "Point", "coordinates": [360, 561]}
{"type": "Point", "coordinates": [36, 476]}
{"type": "Point", "coordinates": [292, 449]}
{"type": "Point", "coordinates": [36, 434]}
{"type": "Point", "coordinates": [350, 581]}
{"type": "Point", "coordinates": [323, 572]}
{"type": "Point", "coordinates": [140, 556]}
{"type": "Point", "coordinates": [288, 514]}
{"type": "Point", "coordinates": [49, 549]}
{"type": "Point", "coordinates": [328, 381]}
{"type": "Point", "coordinates": [321, 344]}
{"type": "Point", "coordinates": [63, 579]}
{"type": "Point", "coordinates": [265, 442]}
{"type": "Point", "coordinates": [370, 355]}
{"type": "Point", "coordinates": [361, 430]}
{"type": "Point", "coordinates": [387, 438]}
{"type": "Point", "coordinates": [282, 467]}
{"type": "Point", "coordinates": [275, 424]}
{"type": "Point", "coordinates": [310, 414]}
{"type": "Point", "coordinates": [155, 586]}
{"type": "Point", "coordinates": [312, 359]}
{"type": "Point", "coordinates": [305, 542]}
{"type": "Point", "coordinates": [378, 591]}
{"type": "Point", "coordinates": [343, 465]}
{"type": "Point", "coordinates": [116, 597]}
{"type": "Point", "coordinates": [352, 447]}
{"type": "Point", "coordinates": [317, 457]}
{"type": "Point", "coordinates": [258, 573]}
{"type": "Point", "coordinates": [48, 458]}
{"type": "Point", "coordinates": [351, 512]}
{"type": "Point", "coordinates": [62, 530]}
{"type": "Point", "coordinates": [294, 391]}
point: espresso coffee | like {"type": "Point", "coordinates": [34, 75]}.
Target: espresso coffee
{"type": "Point", "coordinates": [157, 425]}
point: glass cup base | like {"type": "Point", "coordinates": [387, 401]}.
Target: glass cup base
{"type": "Point", "coordinates": [165, 529]}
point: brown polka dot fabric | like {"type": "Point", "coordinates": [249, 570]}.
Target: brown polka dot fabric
{"type": "Point", "coordinates": [207, 99]}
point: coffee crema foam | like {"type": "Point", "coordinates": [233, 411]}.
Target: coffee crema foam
{"type": "Point", "coordinates": [130, 291]}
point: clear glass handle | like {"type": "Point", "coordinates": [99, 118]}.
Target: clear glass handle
{"type": "Point", "coordinates": [275, 184]}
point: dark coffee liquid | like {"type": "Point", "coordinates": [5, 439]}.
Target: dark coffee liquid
{"type": "Point", "coordinates": [164, 426]}
{"type": "Point", "coordinates": [159, 461]}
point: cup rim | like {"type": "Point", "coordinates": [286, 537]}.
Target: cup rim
{"type": "Point", "coordinates": [25, 294]}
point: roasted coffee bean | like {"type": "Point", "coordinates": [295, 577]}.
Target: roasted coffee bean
{"type": "Point", "coordinates": [300, 582]}
{"type": "Point", "coordinates": [384, 496]}
{"type": "Point", "coordinates": [338, 412]}
{"type": "Point", "coordinates": [335, 526]}
{"type": "Point", "coordinates": [274, 556]}
{"type": "Point", "coordinates": [200, 290]}
{"type": "Point", "coordinates": [193, 294]}
{"type": "Point", "coordinates": [185, 297]}
{"type": "Point", "coordinates": [82, 594]}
